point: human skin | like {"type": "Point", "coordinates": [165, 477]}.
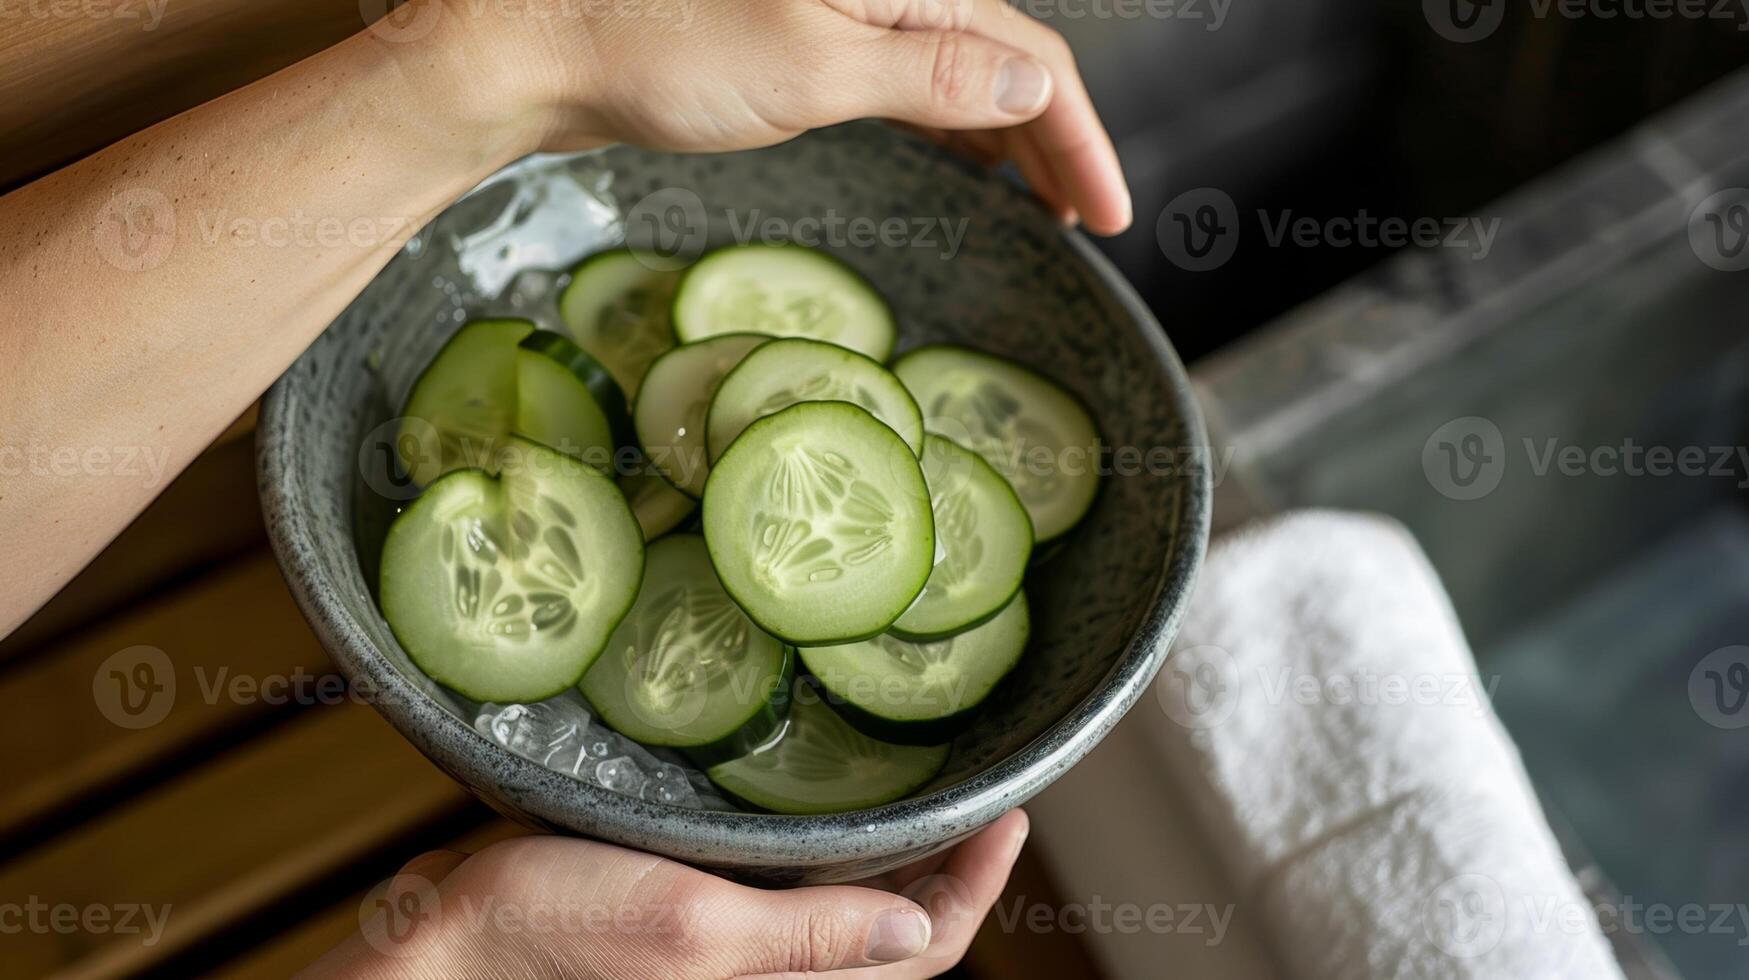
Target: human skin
{"type": "Point", "coordinates": [542, 907]}
{"type": "Point", "coordinates": [157, 287]}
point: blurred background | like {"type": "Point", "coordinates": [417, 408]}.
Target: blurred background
{"type": "Point", "coordinates": [1587, 286]}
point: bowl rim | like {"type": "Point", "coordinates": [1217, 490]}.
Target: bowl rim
{"type": "Point", "coordinates": [741, 839]}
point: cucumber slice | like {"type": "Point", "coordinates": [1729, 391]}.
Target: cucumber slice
{"type": "Point", "coordinates": [1038, 436]}
{"type": "Point", "coordinates": [507, 588]}
{"type": "Point", "coordinates": [920, 693]}
{"type": "Point", "coordinates": [566, 400]}
{"type": "Point", "coordinates": [670, 417]}
{"type": "Point", "coordinates": [464, 403]}
{"type": "Point", "coordinates": [658, 507]}
{"type": "Point", "coordinates": [983, 539]}
{"type": "Point", "coordinates": [686, 668]}
{"type": "Point", "coordinates": [616, 308]}
{"type": "Point", "coordinates": [495, 377]}
{"type": "Point", "coordinates": [820, 764]}
{"type": "Point", "coordinates": [818, 523]}
{"type": "Point", "coordinates": [782, 291]}
{"type": "Point", "coordinates": [787, 372]}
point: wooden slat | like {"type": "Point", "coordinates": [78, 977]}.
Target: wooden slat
{"type": "Point", "coordinates": [77, 77]}
{"type": "Point", "coordinates": [60, 737]}
{"type": "Point", "coordinates": [302, 944]}
{"type": "Point", "coordinates": [330, 788]}
{"type": "Point", "coordinates": [207, 515]}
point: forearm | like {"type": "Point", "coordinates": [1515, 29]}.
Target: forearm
{"type": "Point", "coordinates": [155, 289]}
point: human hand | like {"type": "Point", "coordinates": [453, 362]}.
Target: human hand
{"type": "Point", "coordinates": [709, 75]}
{"type": "Point", "coordinates": [559, 907]}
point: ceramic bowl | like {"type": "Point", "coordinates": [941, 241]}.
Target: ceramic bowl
{"type": "Point", "coordinates": [963, 256]}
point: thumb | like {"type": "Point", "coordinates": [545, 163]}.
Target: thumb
{"type": "Point", "coordinates": [742, 930]}
{"type": "Point", "coordinates": [951, 80]}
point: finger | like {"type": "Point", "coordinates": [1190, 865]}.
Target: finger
{"type": "Point", "coordinates": [958, 889]}
{"type": "Point", "coordinates": [901, 878]}
{"type": "Point", "coordinates": [1069, 133]}
{"type": "Point", "coordinates": [991, 146]}
{"type": "Point", "coordinates": [433, 866]}
{"type": "Point", "coordinates": [1039, 176]}
{"type": "Point", "coordinates": [672, 920]}
{"type": "Point", "coordinates": [1085, 163]}
{"type": "Point", "coordinates": [909, 15]}
{"type": "Point", "coordinates": [960, 892]}
{"type": "Point", "coordinates": [400, 918]}
{"type": "Point", "coordinates": [946, 80]}
{"type": "Point", "coordinates": [805, 930]}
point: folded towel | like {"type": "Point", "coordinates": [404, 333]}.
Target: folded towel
{"type": "Point", "coordinates": [1324, 710]}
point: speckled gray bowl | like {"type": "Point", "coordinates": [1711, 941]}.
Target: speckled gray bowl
{"type": "Point", "coordinates": [1105, 607]}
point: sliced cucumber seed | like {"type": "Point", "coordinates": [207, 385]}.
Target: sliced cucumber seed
{"type": "Point", "coordinates": [818, 523]}
{"type": "Point", "coordinates": [686, 667]}
{"type": "Point", "coordinates": [506, 588]}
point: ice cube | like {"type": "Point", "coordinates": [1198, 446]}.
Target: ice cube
{"type": "Point", "coordinates": [562, 734]}
{"type": "Point", "coordinates": [620, 775]}
{"type": "Point", "coordinates": [668, 784]}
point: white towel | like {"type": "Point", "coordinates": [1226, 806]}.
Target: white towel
{"type": "Point", "coordinates": [1325, 712]}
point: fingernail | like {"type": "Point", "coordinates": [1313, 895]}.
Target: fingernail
{"type": "Point", "coordinates": [1021, 85]}
{"type": "Point", "coordinates": [898, 935]}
